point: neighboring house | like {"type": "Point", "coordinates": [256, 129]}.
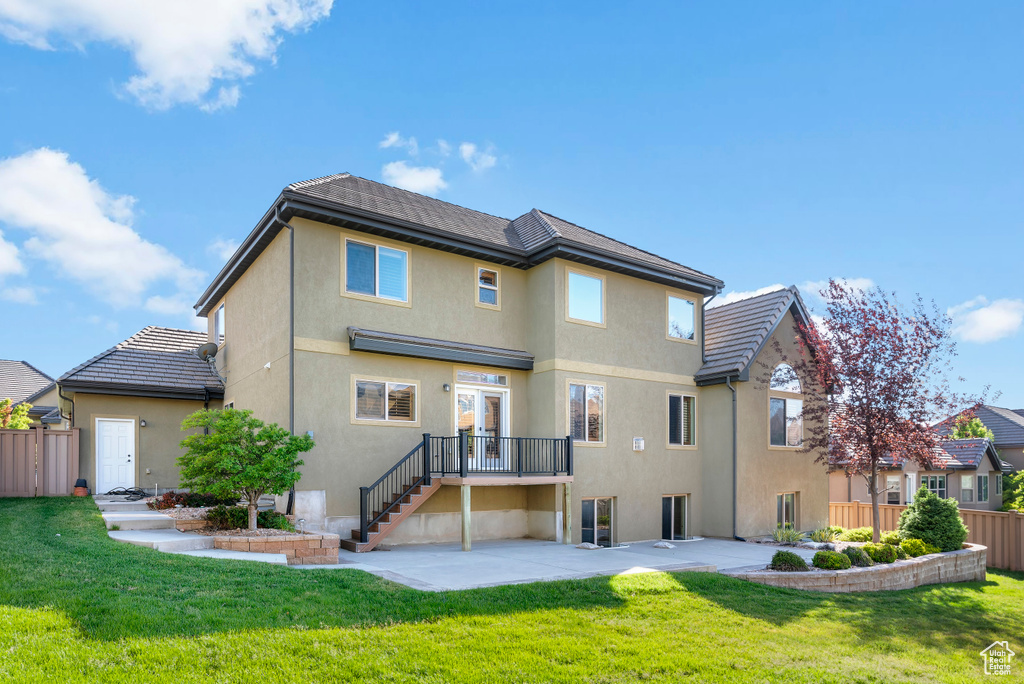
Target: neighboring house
{"type": "Point", "coordinates": [1007, 426]}
{"type": "Point", "coordinates": [129, 402]}
{"type": "Point", "coordinates": [21, 382]}
{"type": "Point", "coordinates": [368, 315]}
{"type": "Point", "coordinates": [968, 470]}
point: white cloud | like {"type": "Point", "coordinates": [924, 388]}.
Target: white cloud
{"type": "Point", "coordinates": [427, 180]}
{"type": "Point", "coordinates": [477, 159]}
{"type": "Point", "coordinates": [183, 49]}
{"type": "Point", "coordinates": [394, 139]}
{"type": "Point", "coordinates": [812, 288]}
{"type": "Point", "coordinates": [730, 297]}
{"type": "Point", "coordinates": [19, 295]}
{"type": "Point", "coordinates": [10, 261]}
{"type": "Point", "coordinates": [222, 248]}
{"type": "Point", "coordinates": [978, 320]}
{"type": "Point", "coordinates": [83, 231]}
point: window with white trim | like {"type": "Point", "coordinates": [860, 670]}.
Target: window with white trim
{"type": "Point", "coordinates": [380, 400]}
{"type": "Point", "coordinates": [681, 318]}
{"type": "Point", "coordinates": [785, 506]}
{"type": "Point", "coordinates": [487, 287]}
{"type": "Point", "coordinates": [586, 297]}
{"type": "Point", "coordinates": [967, 488]}
{"type": "Point", "coordinates": [218, 325]}
{"type": "Point", "coordinates": [936, 484]}
{"type": "Point", "coordinates": [481, 377]}
{"type": "Point", "coordinates": [376, 271]}
{"type": "Point", "coordinates": [785, 422]}
{"type": "Point", "coordinates": [586, 412]}
{"type": "Point", "coordinates": [682, 420]}
{"type": "Point", "coordinates": [983, 488]}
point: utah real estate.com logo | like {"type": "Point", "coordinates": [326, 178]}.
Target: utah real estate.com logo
{"type": "Point", "coordinates": [997, 658]}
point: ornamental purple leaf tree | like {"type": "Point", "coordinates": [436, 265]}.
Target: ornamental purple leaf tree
{"type": "Point", "coordinates": [879, 379]}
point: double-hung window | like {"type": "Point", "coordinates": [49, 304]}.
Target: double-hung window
{"type": "Point", "coordinates": [983, 488]}
{"type": "Point", "coordinates": [681, 325]}
{"type": "Point", "coordinates": [936, 484]}
{"type": "Point", "coordinates": [967, 488]}
{"type": "Point", "coordinates": [376, 271]}
{"type": "Point", "coordinates": [586, 412]}
{"type": "Point", "coordinates": [380, 400]}
{"type": "Point", "coordinates": [682, 420]}
{"type": "Point", "coordinates": [487, 292]}
{"type": "Point", "coordinates": [585, 298]}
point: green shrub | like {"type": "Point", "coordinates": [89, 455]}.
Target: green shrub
{"type": "Point", "coordinates": [916, 547]}
{"type": "Point", "coordinates": [900, 553]}
{"type": "Point", "coordinates": [934, 521]}
{"type": "Point", "coordinates": [237, 517]}
{"type": "Point", "coordinates": [831, 560]}
{"type": "Point", "coordinates": [880, 553]}
{"type": "Point", "coordinates": [787, 535]}
{"type": "Point", "coordinates": [787, 561]}
{"type": "Point", "coordinates": [824, 535]}
{"type": "Point", "coordinates": [860, 534]}
{"type": "Point", "coordinates": [891, 538]}
{"type": "Point", "coordinates": [188, 500]}
{"type": "Point", "coordinates": [858, 557]}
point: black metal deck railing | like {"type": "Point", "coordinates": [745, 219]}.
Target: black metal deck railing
{"type": "Point", "coordinates": [463, 455]}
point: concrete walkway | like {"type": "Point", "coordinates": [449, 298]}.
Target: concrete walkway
{"type": "Point", "coordinates": [440, 567]}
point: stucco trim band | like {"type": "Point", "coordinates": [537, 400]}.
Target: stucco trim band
{"type": "Point", "coordinates": [570, 366]}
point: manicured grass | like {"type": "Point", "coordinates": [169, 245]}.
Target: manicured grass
{"type": "Point", "coordinates": [81, 606]}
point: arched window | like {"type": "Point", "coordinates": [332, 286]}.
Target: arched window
{"type": "Point", "coordinates": [784, 379]}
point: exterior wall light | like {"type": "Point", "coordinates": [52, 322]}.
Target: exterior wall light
{"type": "Point", "coordinates": [446, 387]}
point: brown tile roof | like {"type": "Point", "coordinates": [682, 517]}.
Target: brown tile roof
{"type": "Point", "coordinates": [155, 360]}
{"type": "Point", "coordinates": [20, 380]}
{"type": "Point", "coordinates": [735, 333]}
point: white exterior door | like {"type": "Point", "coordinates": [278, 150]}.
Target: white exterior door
{"type": "Point", "coordinates": [483, 415]}
{"type": "Point", "coordinates": [115, 454]}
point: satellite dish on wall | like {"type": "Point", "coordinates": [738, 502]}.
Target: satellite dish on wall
{"type": "Point", "coordinates": [207, 351]}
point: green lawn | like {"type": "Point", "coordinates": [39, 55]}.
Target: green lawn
{"type": "Point", "coordinates": [81, 606]}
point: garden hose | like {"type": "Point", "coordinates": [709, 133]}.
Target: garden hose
{"type": "Point", "coordinates": [132, 493]}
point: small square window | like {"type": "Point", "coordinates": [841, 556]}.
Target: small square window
{"type": "Point", "coordinates": [487, 287]}
{"type": "Point", "coordinates": [586, 298]}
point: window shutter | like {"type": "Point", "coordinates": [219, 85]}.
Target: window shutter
{"type": "Point", "coordinates": [401, 402]}
{"type": "Point", "coordinates": [688, 436]}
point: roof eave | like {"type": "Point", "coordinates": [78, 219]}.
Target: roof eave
{"type": "Point", "coordinates": [142, 391]}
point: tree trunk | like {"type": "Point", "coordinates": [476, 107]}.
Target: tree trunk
{"type": "Point", "coordinates": [252, 515]}
{"type": "Point", "coordinates": [876, 522]}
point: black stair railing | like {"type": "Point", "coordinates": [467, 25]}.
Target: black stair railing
{"type": "Point", "coordinates": [462, 455]}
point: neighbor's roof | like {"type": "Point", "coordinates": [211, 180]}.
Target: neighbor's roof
{"type": "Point", "coordinates": [1007, 425]}
{"type": "Point", "coordinates": [364, 205]}
{"type": "Point", "coordinates": [157, 362]}
{"type": "Point", "coordinates": [734, 334]}
{"type": "Point", "coordinates": [20, 380]}
{"type": "Point", "coordinates": [967, 454]}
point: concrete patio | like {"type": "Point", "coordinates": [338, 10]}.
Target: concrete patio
{"type": "Point", "coordinates": [441, 567]}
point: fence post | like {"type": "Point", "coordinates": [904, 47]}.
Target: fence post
{"type": "Point", "coordinates": [1013, 541]}
{"type": "Point", "coordinates": [38, 484]}
{"type": "Point", "coordinates": [364, 529]}
{"type": "Point", "coordinates": [463, 454]}
{"type": "Point", "coordinates": [426, 458]}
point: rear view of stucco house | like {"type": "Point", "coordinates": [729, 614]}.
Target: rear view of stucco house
{"type": "Point", "coordinates": [572, 386]}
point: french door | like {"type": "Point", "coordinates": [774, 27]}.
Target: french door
{"type": "Point", "coordinates": [483, 415]}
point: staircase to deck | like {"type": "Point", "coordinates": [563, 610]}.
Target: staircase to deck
{"type": "Point", "coordinates": [407, 504]}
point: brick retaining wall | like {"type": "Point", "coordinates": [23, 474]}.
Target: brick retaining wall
{"type": "Point", "coordinates": [300, 549]}
{"type": "Point", "coordinates": [965, 565]}
{"type": "Point", "coordinates": [190, 525]}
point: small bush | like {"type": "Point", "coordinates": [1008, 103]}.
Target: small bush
{"type": "Point", "coordinates": [237, 517]}
{"type": "Point", "coordinates": [891, 538]}
{"type": "Point", "coordinates": [188, 500]}
{"type": "Point", "coordinates": [880, 553]}
{"type": "Point", "coordinates": [858, 557]}
{"type": "Point", "coordinates": [934, 521]}
{"type": "Point", "coordinates": [787, 535]}
{"type": "Point", "coordinates": [787, 561]}
{"type": "Point", "coordinates": [900, 553]}
{"type": "Point", "coordinates": [916, 547]}
{"type": "Point", "coordinates": [831, 560]}
{"type": "Point", "coordinates": [824, 535]}
{"type": "Point", "coordinates": [860, 534]}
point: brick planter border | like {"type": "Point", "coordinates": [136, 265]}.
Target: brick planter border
{"type": "Point", "coordinates": [965, 565]}
{"type": "Point", "coordinates": [300, 549]}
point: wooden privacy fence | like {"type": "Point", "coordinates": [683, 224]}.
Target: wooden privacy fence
{"type": "Point", "coordinates": [38, 462]}
{"type": "Point", "coordinates": [1002, 533]}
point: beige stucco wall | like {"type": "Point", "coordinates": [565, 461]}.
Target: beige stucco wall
{"type": "Point", "coordinates": [157, 444]}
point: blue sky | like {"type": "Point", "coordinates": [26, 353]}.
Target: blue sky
{"type": "Point", "coordinates": [762, 143]}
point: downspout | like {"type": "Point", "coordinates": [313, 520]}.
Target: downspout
{"type": "Point", "coordinates": [291, 339]}
{"type": "Point", "coordinates": [728, 383]}
{"type": "Point", "coordinates": [70, 400]}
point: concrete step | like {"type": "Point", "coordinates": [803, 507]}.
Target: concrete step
{"type": "Point", "coordinates": [121, 506]}
{"type": "Point", "coordinates": [164, 540]}
{"type": "Point", "coordinates": [273, 558]}
{"type": "Point", "coordinates": [138, 520]}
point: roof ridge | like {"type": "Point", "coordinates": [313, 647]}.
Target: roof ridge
{"type": "Point", "coordinates": [543, 218]}
{"type": "Point", "coordinates": [316, 181]}
{"type": "Point", "coordinates": [625, 244]}
{"type": "Point", "coordinates": [751, 298]}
